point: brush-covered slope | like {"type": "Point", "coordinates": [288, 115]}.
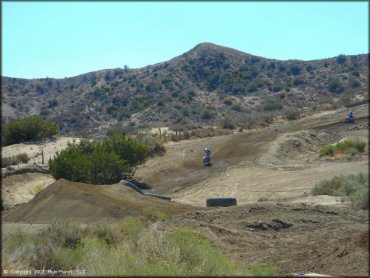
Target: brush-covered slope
{"type": "Point", "coordinates": [203, 86]}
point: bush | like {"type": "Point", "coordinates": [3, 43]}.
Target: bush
{"type": "Point", "coordinates": [155, 146]}
{"type": "Point", "coordinates": [351, 144]}
{"type": "Point", "coordinates": [354, 83]}
{"type": "Point", "coordinates": [272, 104]}
{"type": "Point", "coordinates": [237, 107]}
{"type": "Point", "coordinates": [341, 59]}
{"type": "Point", "coordinates": [298, 82]}
{"type": "Point", "coordinates": [292, 115]}
{"type": "Point", "coordinates": [99, 163]}
{"type": "Point", "coordinates": [207, 115]}
{"type": "Point", "coordinates": [335, 86]}
{"type": "Point", "coordinates": [354, 186]}
{"type": "Point", "coordinates": [277, 87]}
{"type": "Point", "coordinates": [328, 150]}
{"type": "Point", "coordinates": [14, 160]}
{"type": "Point", "coordinates": [348, 146]}
{"type": "Point", "coordinates": [295, 70]}
{"type": "Point", "coordinates": [27, 129]}
{"type": "Point", "coordinates": [228, 123]}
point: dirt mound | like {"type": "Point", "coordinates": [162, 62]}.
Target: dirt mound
{"type": "Point", "coordinates": [87, 203]}
{"type": "Point", "coordinates": [293, 237]}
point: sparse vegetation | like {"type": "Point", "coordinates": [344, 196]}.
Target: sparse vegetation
{"type": "Point", "coordinates": [171, 85]}
{"type": "Point", "coordinates": [354, 186]}
{"type": "Point", "coordinates": [14, 160]}
{"type": "Point", "coordinates": [347, 146]}
{"type": "Point", "coordinates": [27, 129]}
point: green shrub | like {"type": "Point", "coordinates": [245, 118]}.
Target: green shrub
{"type": "Point", "coordinates": [99, 163]}
{"type": "Point", "coordinates": [27, 129]}
{"type": "Point", "coordinates": [341, 59]}
{"type": "Point", "coordinates": [335, 86]}
{"type": "Point", "coordinates": [351, 144]}
{"type": "Point", "coordinates": [237, 107]}
{"type": "Point", "coordinates": [348, 146]}
{"type": "Point", "coordinates": [295, 70]}
{"type": "Point", "coordinates": [207, 115]}
{"type": "Point", "coordinates": [272, 104]}
{"type": "Point", "coordinates": [354, 83]}
{"type": "Point", "coordinates": [228, 123]}
{"type": "Point", "coordinates": [155, 146]}
{"type": "Point", "coordinates": [328, 150]}
{"type": "Point", "coordinates": [292, 115]}
{"type": "Point", "coordinates": [298, 82]}
{"type": "Point", "coordinates": [354, 186]}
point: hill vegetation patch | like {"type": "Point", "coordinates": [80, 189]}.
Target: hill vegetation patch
{"type": "Point", "coordinates": [27, 129]}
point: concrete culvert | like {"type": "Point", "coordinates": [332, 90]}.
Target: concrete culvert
{"type": "Point", "coordinates": [221, 202]}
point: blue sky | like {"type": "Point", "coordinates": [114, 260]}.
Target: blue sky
{"type": "Point", "coordinates": [63, 39]}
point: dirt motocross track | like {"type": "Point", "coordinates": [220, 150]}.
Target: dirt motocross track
{"type": "Point", "coordinates": [271, 173]}
{"type": "Point", "coordinates": [282, 161]}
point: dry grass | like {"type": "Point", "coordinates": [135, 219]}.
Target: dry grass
{"type": "Point", "coordinates": [123, 248]}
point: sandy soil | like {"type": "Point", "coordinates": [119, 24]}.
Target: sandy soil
{"type": "Point", "coordinates": [34, 151]}
{"type": "Point", "coordinates": [18, 189]}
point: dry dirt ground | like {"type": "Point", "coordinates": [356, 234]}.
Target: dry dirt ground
{"type": "Point", "coordinates": [293, 237]}
{"type": "Point", "coordinates": [270, 171]}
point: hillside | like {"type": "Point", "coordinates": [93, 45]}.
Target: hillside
{"type": "Point", "coordinates": [203, 86]}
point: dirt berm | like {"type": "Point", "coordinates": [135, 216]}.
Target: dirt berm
{"type": "Point", "coordinates": [87, 203]}
{"type": "Point", "coordinates": [293, 237]}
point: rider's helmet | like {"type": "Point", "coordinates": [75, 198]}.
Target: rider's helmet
{"type": "Point", "coordinates": [206, 149]}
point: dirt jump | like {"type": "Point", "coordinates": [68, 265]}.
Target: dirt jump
{"type": "Point", "coordinates": [87, 203]}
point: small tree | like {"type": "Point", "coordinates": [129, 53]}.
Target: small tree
{"type": "Point", "coordinates": [341, 59]}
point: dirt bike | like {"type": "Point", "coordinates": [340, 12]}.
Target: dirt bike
{"type": "Point", "coordinates": [349, 120]}
{"type": "Point", "coordinates": [207, 161]}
